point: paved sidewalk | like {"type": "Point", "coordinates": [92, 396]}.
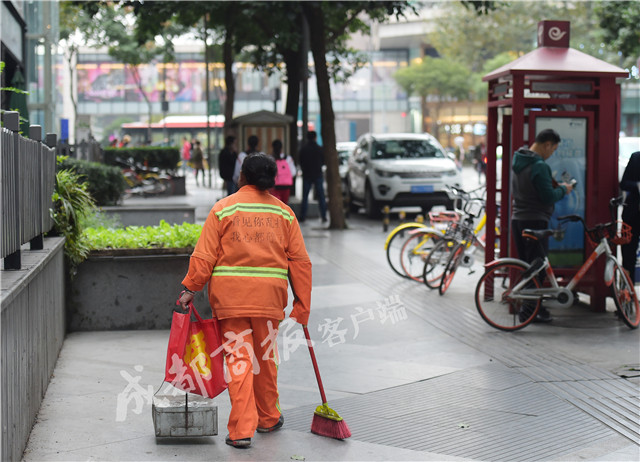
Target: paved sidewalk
{"type": "Point", "coordinates": [416, 376]}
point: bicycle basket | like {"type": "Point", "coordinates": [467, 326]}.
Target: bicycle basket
{"type": "Point", "coordinates": [617, 234]}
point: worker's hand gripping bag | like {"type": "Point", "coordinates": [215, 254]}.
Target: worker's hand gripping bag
{"type": "Point", "coordinates": [194, 355]}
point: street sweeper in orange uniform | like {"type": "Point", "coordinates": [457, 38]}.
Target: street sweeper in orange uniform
{"type": "Point", "coordinates": [250, 248]}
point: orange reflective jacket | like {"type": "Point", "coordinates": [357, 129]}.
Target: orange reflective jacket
{"type": "Point", "coordinates": [250, 246]}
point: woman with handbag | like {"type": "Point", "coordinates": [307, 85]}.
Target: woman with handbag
{"type": "Point", "coordinates": [286, 172]}
{"type": "Point", "coordinates": [250, 247]}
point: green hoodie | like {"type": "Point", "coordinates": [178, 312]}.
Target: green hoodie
{"type": "Point", "coordinates": [532, 187]}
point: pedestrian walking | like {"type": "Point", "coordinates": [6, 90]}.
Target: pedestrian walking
{"type": "Point", "coordinates": [534, 194]}
{"type": "Point", "coordinates": [186, 154]}
{"type": "Point", "coordinates": [197, 160]}
{"type": "Point", "coordinates": [286, 172]}
{"type": "Point", "coordinates": [252, 147]}
{"type": "Point", "coordinates": [311, 162]}
{"type": "Point", "coordinates": [250, 246]}
{"type": "Point", "coordinates": [227, 164]}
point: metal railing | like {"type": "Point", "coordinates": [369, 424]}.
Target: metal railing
{"type": "Point", "coordinates": [27, 182]}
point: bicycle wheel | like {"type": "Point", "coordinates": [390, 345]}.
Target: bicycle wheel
{"type": "Point", "coordinates": [450, 269]}
{"type": "Point", "coordinates": [436, 262]}
{"type": "Point", "coordinates": [625, 296]}
{"type": "Point", "coordinates": [394, 246]}
{"type": "Point", "coordinates": [494, 301]}
{"type": "Point", "coordinates": [415, 251]}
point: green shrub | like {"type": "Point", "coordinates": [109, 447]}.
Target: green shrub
{"type": "Point", "coordinates": [135, 237]}
{"type": "Point", "coordinates": [164, 158]}
{"type": "Point", "coordinates": [104, 182]}
{"type": "Point", "coordinates": [71, 202]}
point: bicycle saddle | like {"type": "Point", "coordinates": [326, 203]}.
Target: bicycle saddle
{"type": "Point", "coordinates": [537, 234]}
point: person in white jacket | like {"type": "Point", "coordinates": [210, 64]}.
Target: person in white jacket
{"type": "Point", "coordinates": [253, 142]}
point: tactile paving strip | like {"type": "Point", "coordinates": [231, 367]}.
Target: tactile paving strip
{"type": "Point", "coordinates": [452, 415]}
{"type": "Point", "coordinates": [586, 403]}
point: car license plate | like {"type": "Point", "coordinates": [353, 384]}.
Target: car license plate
{"type": "Point", "coordinates": [422, 188]}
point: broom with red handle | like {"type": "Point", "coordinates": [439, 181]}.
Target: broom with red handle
{"type": "Point", "coordinates": [326, 421]}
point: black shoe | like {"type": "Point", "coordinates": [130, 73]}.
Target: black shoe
{"type": "Point", "coordinates": [277, 426]}
{"type": "Point", "coordinates": [324, 219]}
{"type": "Point", "coordinates": [525, 312]}
{"type": "Point", "coordinates": [543, 316]}
{"type": "Point", "coordinates": [241, 443]}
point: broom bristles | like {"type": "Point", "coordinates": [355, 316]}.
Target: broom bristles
{"type": "Point", "coordinates": [323, 426]}
{"type": "Point", "coordinates": [327, 422]}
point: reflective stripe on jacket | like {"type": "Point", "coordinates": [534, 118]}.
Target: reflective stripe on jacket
{"type": "Point", "coordinates": [250, 246]}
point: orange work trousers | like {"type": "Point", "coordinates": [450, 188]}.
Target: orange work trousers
{"type": "Point", "coordinates": [251, 354]}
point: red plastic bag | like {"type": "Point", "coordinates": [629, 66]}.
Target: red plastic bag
{"type": "Point", "coordinates": [194, 355]}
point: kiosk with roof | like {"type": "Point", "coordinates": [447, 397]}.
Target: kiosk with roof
{"type": "Point", "coordinates": [555, 86]}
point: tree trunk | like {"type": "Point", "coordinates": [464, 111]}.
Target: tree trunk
{"type": "Point", "coordinates": [229, 80]}
{"type": "Point", "coordinates": [425, 113]}
{"type": "Point", "coordinates": [314, 15]}
{"type": "Point", "coordinates": [292, 60]}
{"type": "Point", "coordinates": [138, 80]}
{"type": "Point", "coordinates": [72, 52]}
{"type": "Point", "coordinates": [436, 117]}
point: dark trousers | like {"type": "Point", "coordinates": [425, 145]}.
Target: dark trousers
{"type": "Point", "coordinates": [322, 203]}
{"type": "Point", "coordinates": [231, 187]}
{"type": "Point", "coordinates": [528, 250]}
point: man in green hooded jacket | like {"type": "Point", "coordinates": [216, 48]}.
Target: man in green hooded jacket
{"type": "Point", "coordinates": [534, 193]}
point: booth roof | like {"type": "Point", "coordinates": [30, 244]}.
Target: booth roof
{"type": "Point", "coordinates": [557, 62]}
{"type": "Point", "coordinates": [262, 117]}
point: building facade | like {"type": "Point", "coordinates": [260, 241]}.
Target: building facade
{"type": "Point", "coordinates": [28, 43]}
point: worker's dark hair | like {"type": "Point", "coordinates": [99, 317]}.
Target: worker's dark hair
{"type": "Point", "coordinates": [260, 170]}
{"type": "Point", "coordinates": [548, 134]}
{"type": "Point", "coordinates": [228, 141]}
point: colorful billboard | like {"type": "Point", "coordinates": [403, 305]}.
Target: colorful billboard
{"type": "Point", "coordinates": [113, 82]}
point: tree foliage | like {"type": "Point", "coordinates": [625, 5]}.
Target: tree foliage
{"type": "Point", "coordinates": [620, 23]}
{"type": "Point", "coordinates": [512, 27]}
{"type": "Point", "coordinates": [438, 79]}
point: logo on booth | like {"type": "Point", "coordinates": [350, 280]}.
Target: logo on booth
{"type": "Point", "coordinates": [553, 34]}
{"type": "Point", "coordinates": [556, 34]}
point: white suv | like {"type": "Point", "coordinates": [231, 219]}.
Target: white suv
{"type": "Point", "coordinates": [400, 169]}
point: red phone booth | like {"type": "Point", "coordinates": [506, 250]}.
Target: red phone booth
{"type": "Point", "coordinates": [557, 87]}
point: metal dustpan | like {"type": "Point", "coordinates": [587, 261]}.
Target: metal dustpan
{"type": "Point", "coordinates": [183, 414]}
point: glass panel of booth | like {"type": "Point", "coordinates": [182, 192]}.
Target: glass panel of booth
{"type": "Point", "coordinates": [568, 162]}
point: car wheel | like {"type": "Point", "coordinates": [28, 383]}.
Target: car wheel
{"type": "Point", "coordinates": [371, 206]}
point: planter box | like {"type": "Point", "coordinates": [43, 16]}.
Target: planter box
{"type": "Point", "coordinates": [150, 216]}
{"type": "Point", "coordinates": [129, 289]}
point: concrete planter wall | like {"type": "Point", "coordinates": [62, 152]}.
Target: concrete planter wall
{"type": "Point", "coordinates": [129, 289]}
{"type": "Point", "coordinates": [150, 216]}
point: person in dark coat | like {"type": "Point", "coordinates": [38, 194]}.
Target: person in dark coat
{"type": "Point", "coordinates": [535, 193]}
{"type": "Point", "coordinates": [227, 164]}
{"type": "Point", "coordinates": [311, 161]}
{"type": "Point", "coordinates": [630, 183]}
